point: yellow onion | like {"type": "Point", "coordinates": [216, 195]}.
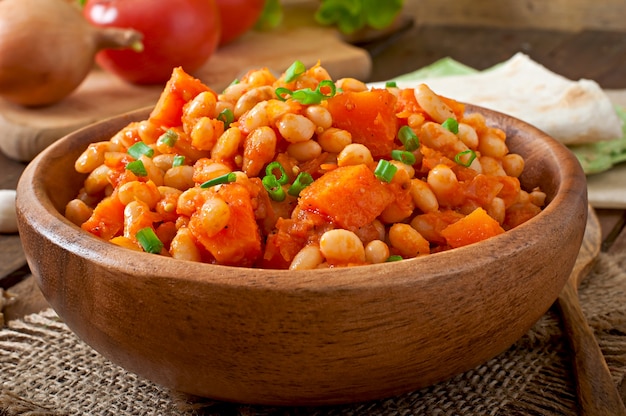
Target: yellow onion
{"type": "Point", "coordinates": [47, 48]}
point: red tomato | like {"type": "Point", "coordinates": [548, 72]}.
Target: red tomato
{"type": "Point", "coordinates": [238, 16]}
{"type": "Point", "coordinates": [176, 33]}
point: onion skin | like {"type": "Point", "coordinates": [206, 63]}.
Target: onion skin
{"type": "Point", "coordinates": [47, 49]}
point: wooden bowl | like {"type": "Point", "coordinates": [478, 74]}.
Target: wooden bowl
{"type": "Point", "coordinates": [307, 337]}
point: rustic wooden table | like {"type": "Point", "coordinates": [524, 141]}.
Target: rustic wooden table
{"type": "Point", "coordinates": [595, 55]}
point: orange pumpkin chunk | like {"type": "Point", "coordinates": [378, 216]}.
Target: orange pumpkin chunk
{"type": "Point", "coordinates": [472, 228]}
{"type": "Point", "coordinates": [239, 242]}
{"type": "Point", "coordinates": [369, 116]}
{"type": "Point", "coordinates": [350, 195]}
{"type": "Point", "coordinates": [180, 88]}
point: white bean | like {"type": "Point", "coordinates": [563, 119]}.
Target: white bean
{"type": "Point", "coordinates": [376, 251]}
{"type": "Point", "coordinates": [295, 128]}
{"type": "Point", "coordinates": [354, 154]}
{"type": "Point", "coordinates": [342, 246]}
{"type": "Point", "coordinates": [433, 104]}
{"type": "Point", "coordinates": [309, 257]}
{"type": "Point", "coordinates": [407, 240]}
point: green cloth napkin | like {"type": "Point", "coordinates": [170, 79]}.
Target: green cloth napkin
{"type": "Point", "coordinates": [594, 157]}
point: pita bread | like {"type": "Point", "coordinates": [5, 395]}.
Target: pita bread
{"type": "Point", "coordinates": [573, 112]}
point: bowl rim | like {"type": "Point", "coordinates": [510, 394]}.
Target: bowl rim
{"type": "Point", "coordinates": [62, 232]}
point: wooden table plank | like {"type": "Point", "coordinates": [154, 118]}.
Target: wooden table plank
{"type": "Point", "coordinates": [594, 55]}
{"type": "Point", "coordinates": [587, 54]}
{"type": "Point", "coordinates": [12, 256]}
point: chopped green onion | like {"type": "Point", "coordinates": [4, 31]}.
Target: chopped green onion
{"type": "Point", "coordinates": [225, 178]}
{"type": "Point", "coordinates": [139, 149]}
{"type": "Point", "coordinates": [226, 116]}
{"type": "Point", "coordinates": [451, 124]}
{"type": "Point", "coordinates": [385, 170]}
{"type": "Point", "coordinates": [283, 178]}
{"type": "Point", "coordinates": [273, 188]}
{"type": "Point", "coordinates": [408, 138]}
{"type": "Point", "coordinates": [394, 257]}
{"type": "Point", "coordinates": [168, 138]}
{"type": "Point", "coordinates": [307, 96]}
{"type": "Point", "coordinates": [283, 93]}
{"type": "Point", "coordinates": [403, 156]}
{"type": "Point", "coordinates": [137, 167]}
{"type": "Point", "coordinates": [327, 84]}
{"type": "Point", "coordinates": [178, 161]}
{"type": "Point", "coordinates": [149, 241]}
{"type": "Point", "coordinates": [470, 159]}
{"type": "Point", "coordinates": [391, 84]}
{"type": "Point", "coordinates": [294, 71]}
{"type": "Point", "coordinates": [302, 181]}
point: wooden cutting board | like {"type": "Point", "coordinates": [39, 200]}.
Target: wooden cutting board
{"type": "Point", "coordinates": [25, 132]}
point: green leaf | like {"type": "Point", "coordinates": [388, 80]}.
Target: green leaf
{"type": "Point", "coordinates": [352, 15]}
{"type": "Point", "coordinates": [381, 14]}
{"type": "Point", "coordinates": [271, 16]}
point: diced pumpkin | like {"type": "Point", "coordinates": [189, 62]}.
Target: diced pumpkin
{"type": "Point", "coordinates": [107, 219]}
{"type": "Point", "coordinates": [239, 242]}
{"type": "Point", "coordinates": [430, 224]}
{"type": "Point", "coordinates": [510, 190]}
{"type": "Point", "coordinates": [482, 189]}
{"type": "Point", "coordinates": [351, 196]}
{"type": "Point", "coordinates": [180, 88]}
{"type": "Point", "coordinates": [291, 235]}
{"type": "Point", "coordinates": [370, 116]}
{"type": "Point", "coordinates": [407, 103]}
{"type": "Point", "coordinates": [457, 107]}
{"type": "Point", "coordinates": [472, 228]}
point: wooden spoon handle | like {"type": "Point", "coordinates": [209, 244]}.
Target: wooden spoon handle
{"type": "Point", "coordinates": [597, 393]}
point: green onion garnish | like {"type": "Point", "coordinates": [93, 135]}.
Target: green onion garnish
{"type": "Point", "coordinates": [395, 257]}
{"type": "Point", "coordinates": [385, 170]}
{"type": "Point", "coordinates": [408, 138]}
{"type": "Point", "coordinates": [283, 93]}
{"type": "Point", "coordinates": [139, 149]}
{"type": "Point", "coordinates": [282, 178]}
{"type": "Point", "coordinates": [226, 116]}
{"type": "Point", "coordinates": [137, 167]}
{"type": "Point", "coordinates": [391, 84]}
{"type": "Point", "coordinates": [178, 161]}
{"type": "Point", "coordinates": [273, 188]}
{"type": "Point", "coordinates": [451, 124]}
{"type": "Point", "coordinates": [149, 240]}
{"type": "Point", "coordinates": [294, 71]}
{"type": "Point", "coordinates": [307, 96]}
{"type": "Point", "coordinates": [225, 178]}
{"type": "Point", "coordinates": [403, 156]}
{"type": "Point", "coordinates": [302, 181]}
{"type": "Point", "coordinates": [327, 84]}
{"type": "Point", "coordinates": [168, 138]}
{"type": "Point", "coordinates": [470, 159]}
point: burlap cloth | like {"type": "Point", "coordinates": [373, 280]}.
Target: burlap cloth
{"type": "Point", "coordinates": [46, 370]}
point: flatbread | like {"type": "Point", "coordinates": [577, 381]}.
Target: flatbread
{"type": "Point", "coordinates": [573, 112]}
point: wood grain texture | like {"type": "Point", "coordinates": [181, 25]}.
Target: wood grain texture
{"type": "Point", "coordinates": [590, 54]}
{"type": "Point", "coordinates": [556, 14]}
{"type": "Point", "coordinates": [597, 393]}
{"type": "Point", "coordinates": [306, 337]}
{"type": "Point", "coordinates": [11, 253]}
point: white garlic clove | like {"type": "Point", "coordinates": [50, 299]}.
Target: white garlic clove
{"type": "Point", "coordinates": [8, 214]}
